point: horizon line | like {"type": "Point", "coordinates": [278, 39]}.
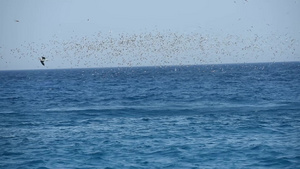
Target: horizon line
{"type": "Point", "coordinates": [159, 66]}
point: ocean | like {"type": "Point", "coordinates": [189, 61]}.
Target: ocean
{"type": "Point", "coordinates": [205, 116]}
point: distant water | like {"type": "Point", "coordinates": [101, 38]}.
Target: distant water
{"type": "Point", "coordinates": [213, 116]}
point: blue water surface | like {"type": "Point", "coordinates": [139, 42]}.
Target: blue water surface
{"type": "Point", "coordinates": [208, 116]}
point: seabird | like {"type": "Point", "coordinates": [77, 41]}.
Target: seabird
{"type": "Point", "coordinates": [42, 60]}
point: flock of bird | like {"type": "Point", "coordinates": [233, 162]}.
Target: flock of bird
{"type": "Point", "coordinates": [159, 48]}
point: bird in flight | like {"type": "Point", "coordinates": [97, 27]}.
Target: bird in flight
{"type": "Point", "coordinates": [42, 60]}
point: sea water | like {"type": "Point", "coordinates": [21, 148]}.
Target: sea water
{"type": "Point", "coordinates": [207, 116]}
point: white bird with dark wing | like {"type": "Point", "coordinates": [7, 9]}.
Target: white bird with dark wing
{"type": "Point", "coordinates": [42, 60]}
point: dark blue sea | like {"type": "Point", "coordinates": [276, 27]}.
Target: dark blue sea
{"type": "Point", "coordinates": [207, 116]}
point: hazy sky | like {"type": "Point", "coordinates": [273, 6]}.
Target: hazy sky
{"type": "Point", "coordinates": [96, 33]}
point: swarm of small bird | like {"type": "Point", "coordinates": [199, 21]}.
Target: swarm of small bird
{"type": "Point", "coordinates": [155, 48]}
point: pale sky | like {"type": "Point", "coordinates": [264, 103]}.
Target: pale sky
{"type": "Point", "coordinates": [96, 33]}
